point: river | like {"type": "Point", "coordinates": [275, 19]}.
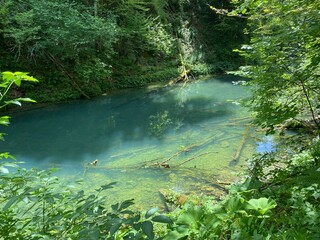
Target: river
{"type": "Point", "coordinates": [183, 138]}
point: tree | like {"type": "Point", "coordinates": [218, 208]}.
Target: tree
{"type": "Point", "coordinates": [284, 60]}
{"type": "Point", "coordinates": [61, 36]}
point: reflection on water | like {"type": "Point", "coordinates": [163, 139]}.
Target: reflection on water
{"type": "Point", "coordinates": [195, 129]}
{"type": "Point", "coordinates": [267, 145]}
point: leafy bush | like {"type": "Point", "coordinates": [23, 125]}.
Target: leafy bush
{"type": "Point", "coordinates": [34, 205]}
{"type": "Point", "coordinates": [239, 216]}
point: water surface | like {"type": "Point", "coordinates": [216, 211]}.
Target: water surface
{"type": "Point", "coordinates": [198, 133]}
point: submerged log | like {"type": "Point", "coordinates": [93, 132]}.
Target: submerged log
{"type": "Point", "coordinates": [188, 149]}
{"type": "Point", "coordinates": [236, 157]}
{"type": "Point", "coordinates": [192, 158]}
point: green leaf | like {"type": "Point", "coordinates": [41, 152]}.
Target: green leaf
{"type": "Point", "coordinates": [126, 204]}
{"type": "Point", "coordinates": [115, 207]}
{"type": "Point", "coordinates": [162, 219]}
{"type": "Point", "coordinates": [10, 202]}
{"type": "Point", "coordinates": [23, 76]}
{"type": "Point", "coordinates": [261, 205]}
{"type": "Point", "coordinates": [136, 226]}
{"type": "Point", "coordinates": [17, 81]}
{"type": "Point", "coordinates": [151, 212]}
{"type": "Point", "coordinates": [234, 203]}
{"type": "Point", "coordinates": [129, 212]}
{"type": "Point", "coordinates": [179, 233]}
{"type": "Point", "coordinates": [13, 102]}
{"type": "Point", "coordinates": [13, 165]}
{"type": "Point", "coordinates": [6, 155]}
{"type": "Point", "coordinates": [4, 120]}
{"type": "Point", "coordinates": [115, 227]}
{"type": "Point", "coordinates": [191, 218]}
{"type": "Point", "coordinates": [7, 76]}
{"type": "Point", "coordinates": [25, 100]}
{"type": "Point", "coordinates": [147, 228]}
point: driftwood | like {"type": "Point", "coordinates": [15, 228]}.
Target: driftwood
{"type": "Point", "coordinates": [236, 157]}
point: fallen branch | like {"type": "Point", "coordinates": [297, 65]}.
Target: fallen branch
{"type": "Point", "coordinates": [223, 183]}
{"type": "Point", "coordinates": [186, 149]}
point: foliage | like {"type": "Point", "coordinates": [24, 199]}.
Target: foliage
{"type": "Point", "coordinates": [291, 176]}
{"type": "Point", "coordinates": [147, 76]}
{"type": "Point", "coordinates": [60, 42]}
{"type": "Point", "coordinates": [284, 61]}
{"type": "Point", "coordinates": [8, 79]}
{"type": "Point", "coordinates": [238, 216]}
{"type": "Point", "coordinates": [207, 38]}
{"type": "Point", "coordinates": [284, 71]}
{"type": "Point", "coordinates": [83, 48]}
{"type": "Point", "coordinates": [34, 205]}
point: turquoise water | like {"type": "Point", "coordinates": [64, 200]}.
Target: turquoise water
{"type": "Point", "coordinates": [195, 130]}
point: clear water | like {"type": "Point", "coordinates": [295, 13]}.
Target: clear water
{"type": "Point", "coordinates": [197, 129]}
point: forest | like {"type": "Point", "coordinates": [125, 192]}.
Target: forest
{"type": "Point", "coordinates": [89, 47]}
{"type": "Point", "coordinates": [53, 51]}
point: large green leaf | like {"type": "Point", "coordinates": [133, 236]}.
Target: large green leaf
{"type": "Point", "coordinates": [151, 212]}
{"type": "Point", "coordinates": [4, 120]}
{"type": "Point", "coordinates": [147, 228]}
{"type": "Point", "coordinates": [162, 219]}
{"type": "Point", "coordinates": [11, 201]}
{"type": "Point", "coordinates": [234, 203]}
{"type": "Point", "coordinates": [192, 217]}
{"type": "Point", "coordinates": [17, 77]}
{"type": "Point", "coordinates": [115, 226]}
{"type": "Point", "coordinates": [179, 233]}
{"type": "Point", "coordinates": [261, 205]}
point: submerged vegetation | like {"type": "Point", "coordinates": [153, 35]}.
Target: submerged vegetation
{"type": "Point", "coordinates": [279, 196]}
